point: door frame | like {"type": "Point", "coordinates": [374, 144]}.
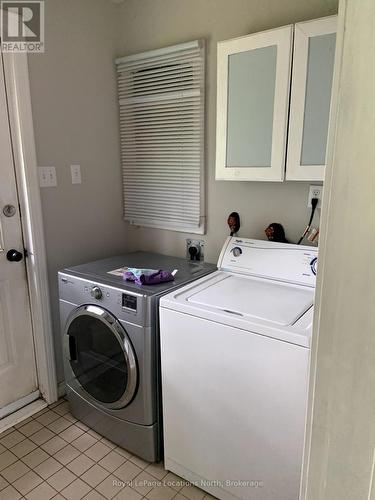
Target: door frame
{"type": "Point", "coordinates": [324, 233]}
{"type": "Point", "coordinates": [25, 164]}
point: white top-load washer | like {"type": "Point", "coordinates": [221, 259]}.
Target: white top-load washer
{"type": "Point", "coordinates": [235, 349]}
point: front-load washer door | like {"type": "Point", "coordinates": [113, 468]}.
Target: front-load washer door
{"type": "Point", "coordinates": [101, 357]}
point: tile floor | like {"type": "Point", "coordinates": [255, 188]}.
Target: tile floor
{"type": "Point", "coordinates": [52, 455]}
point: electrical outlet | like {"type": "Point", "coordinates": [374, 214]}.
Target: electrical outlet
{"type": "Point", "coordinates": [315, 192]}
{"type": "Point", "coordinates": [195, 250]}
{"type": "Point", "coordinates": [47, 177]}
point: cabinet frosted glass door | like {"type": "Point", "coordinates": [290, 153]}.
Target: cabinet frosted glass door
{"type": "Point", "coordinates": [313, 65]}
{"type": "Point", "coordinates": [253, 79]}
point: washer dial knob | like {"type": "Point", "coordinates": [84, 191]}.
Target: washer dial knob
{"type": "Point", "coordinates": [314, 265]}
{"type": "Point", "coordinates": [237, 251]}
{"type": "Point", "coordinates": [96, 293]}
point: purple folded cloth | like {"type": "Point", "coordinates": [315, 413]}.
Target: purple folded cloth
{"type": "Point", "coordinates": [149, 278]}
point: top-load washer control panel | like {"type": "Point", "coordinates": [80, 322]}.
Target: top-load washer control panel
{"type": "Point", "coordinates": [267, 259]}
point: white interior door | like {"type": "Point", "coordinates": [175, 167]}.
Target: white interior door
{"type": "Point", "coordinates": [18, 378]}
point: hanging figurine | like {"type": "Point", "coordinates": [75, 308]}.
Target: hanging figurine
{"type": "Point", "coordinates": [275, 232]}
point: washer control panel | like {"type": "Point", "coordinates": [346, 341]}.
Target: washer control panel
{"type": "Point", "coordinates": [267, 259]}
{"type": "Point", "coordinates": [124, 304]}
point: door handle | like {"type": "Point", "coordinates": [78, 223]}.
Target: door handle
{"type": "Point", "coordinates": [14, 255]}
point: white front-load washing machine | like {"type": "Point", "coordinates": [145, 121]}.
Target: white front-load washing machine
{"type": "Point", "coordinates": [110, 333]}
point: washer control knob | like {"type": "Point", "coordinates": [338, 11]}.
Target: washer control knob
{"type": "Point", "coordinates": [96, 293]}
{"type": "Point", "coordinates": [314, 265]}
{"type": "Point", "coordinates": [237, 251]}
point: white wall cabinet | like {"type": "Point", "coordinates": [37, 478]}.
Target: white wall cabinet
{"type": "Point", "coordinates": [253, 81]}
{"type": "Point", "coordinates": [254, 76]}
{"type": "Point", "coordinates": [310, 100]}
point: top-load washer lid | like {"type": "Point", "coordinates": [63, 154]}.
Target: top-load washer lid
{"type": "Point", "coordinates": [261, 287]}
{"type": "Point", "coordinates": [255, 298]}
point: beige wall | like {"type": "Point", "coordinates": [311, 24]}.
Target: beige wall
{"type": "Point", "coordinates": [75, 118]}
{"type": "Point", "coordinates": [149, 24]}
{"type": "Point", "coordinates": [343, 430]}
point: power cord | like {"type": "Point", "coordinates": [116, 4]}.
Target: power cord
{"type": "Point", "coordinates": [314, 204]}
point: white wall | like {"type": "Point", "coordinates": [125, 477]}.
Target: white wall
{"type": "Point", "coordinates": [149, 24]}
{"type": "Point", "coordinates": [75, 115]}
{"type": "Point", "coordinates": [342, 456]}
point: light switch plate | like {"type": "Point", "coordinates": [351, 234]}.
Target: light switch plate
{"type": "Point", "coordinates": [47, 177]}
{"type": "Point", "coordinates": [75, 171]}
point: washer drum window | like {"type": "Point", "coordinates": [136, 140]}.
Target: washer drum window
{"type": "Point", "coordinates": [101, 356]}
